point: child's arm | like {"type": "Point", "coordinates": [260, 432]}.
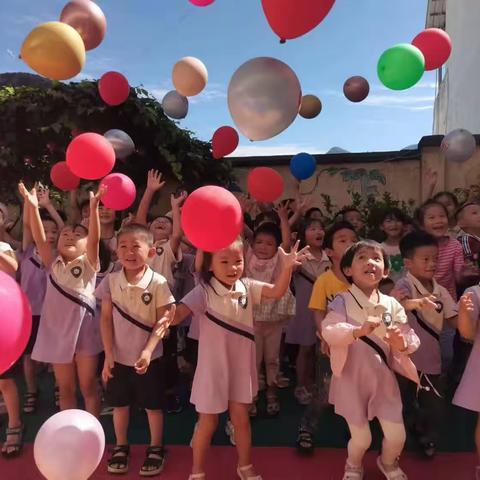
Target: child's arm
{"type": "Point", "coordinates": [106, 330]}
{"type": "Point", "coordinates": [177, 233]}
{"type": "Point", "coordinates": [43, 195]}
{"type": "Point", "coordinates": [198, 260]}
{"type": "Point", "coordinates": [154, 183]}
{"type": "Point", "coordinates": [319, 316]}
{"type": "Point", "coordinates": [36, 225]}
{"type": "Point", "coordinates": [282, 212]}
{"type": "Point", "coordinates": [93, 239]}
{"type": "Point", "coordinates": [27, 238]}
{"type": "Point", "coordinates": [8, 263]}
{"type": "Point", "coordinates": [466, 323]}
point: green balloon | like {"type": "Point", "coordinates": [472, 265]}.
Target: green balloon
{"type": "Point", "coordinates": [401, 66]}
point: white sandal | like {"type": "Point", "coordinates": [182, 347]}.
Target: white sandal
{"type": "Point", "coordinates": [240, 474]}
{"type": "Point", "coordinates": [197, 476]}
{"type": "Point", "coordinates": [396, 474]}
{"type": "Point", "coordinates": [352, 473]}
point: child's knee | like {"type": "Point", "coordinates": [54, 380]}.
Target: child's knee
{"type": "Point", "coordinates": [361, 437]}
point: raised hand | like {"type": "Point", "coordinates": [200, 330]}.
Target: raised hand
{"type": "Point", "coordinates": [282, 211]}
{"type": "Point", "coordinates": [294, 257]}
{"type": "Point", "coordinates": [396, 339]}
{"type": "Point", "coordinates": [43, 195]}
{"type": "Point", "coordinates": [430, 178]}
{"type": "Point", "coordinates": [95, 197]}
{"type": "Point", "coordinates": [30, 197]}
{"type": "Point", "coordinates": [154, 180]}
{"type": "Point", "coordinates": [466, 305]}
{"type": "Point", "coordinates": [176, 202]}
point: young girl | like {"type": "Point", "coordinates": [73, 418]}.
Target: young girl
{"type": "Point", "coordinates": [369, 338]}
{"type": "Point", "coordinates": [226, 374]}
{"type": "Point", "coordinates": [450, 202]}
{"type": "Point", "coordinates": [392, 224]}
{"type": "Point", "coordinates": [301, 330]}
{"type": "Point", "coordinates": [69, 334]}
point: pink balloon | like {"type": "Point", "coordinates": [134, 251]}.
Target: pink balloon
{"type": "Point", "coordinates": [15, 322]}
{"type": "Point", "coordinates": [201, 3]}
{"type": "Point", "coordinates": [224, 142]}
{"type": "Point", "coordinates": [121, 191]}
{"type": "Point", "coordinates": [70, 444]}
{"type": "Point", "coordinates": [90, 156]}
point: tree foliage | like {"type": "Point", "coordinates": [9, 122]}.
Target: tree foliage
{"type": "Point", "coordinates": [36, 126]}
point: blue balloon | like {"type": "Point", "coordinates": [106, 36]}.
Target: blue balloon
{"type": "Point", "coordinates": [303, 166]}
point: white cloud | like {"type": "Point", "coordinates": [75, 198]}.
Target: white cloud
{"type": "Point", "coordinates": [211, 93]}
{"type": "Point", "coordinates": [33, 20]}
{"type": "Point", "coordinates": [256, 150]}
{"type": "Point", "coordinates": [158, 93]}
{"type": "Point", "coordinates": [397, 101]}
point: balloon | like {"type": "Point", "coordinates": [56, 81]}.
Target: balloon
{"type": "Point", "coordinates": [401, 66]}
{"type": "Point", "coordinates": [189, 76]}
{"type": "Point", "coordinates": [458, 145]}
{"type": "Point", "coordinates": [264, 97]}
{"type": "Point", "coordinates": [113, 88]}
{"type": "Point", "coordinates": [265, 184]}
{"type": "Point", "coordinates": [175, 105]}
{"type": "Point", "coordinates": [212, 218]}
{"type": "Point", "coordinates": [303, 166]}
{"type": "Point", "coordinates": [70, 444]}
{"type": "Point", "coordinates": [15, 321]}
{"type": "Point", "coordinates": [121, 142]}
{"type": "Point", "coordinates": [436, 46]}
{"type": "Point", "coordinates": [87, 18]}
{"type": "Point", "coordinates": [224, 142]}
{"type": "Point", "coordinates": [293, 18]}
{"type": "Point", "coordinates": [90, 156]}
{"type": "Point", "coordinates": [356, 89]}
{"type": "Point", "coordinates": [121, 191]}
{"type": "Point", "coordinates": [63, 178]}
{"type": "Point", "coordinates": [310, 107]}
{"type": "Point", "coordinates": [201, 3]}
{"type": "Point", "coordinates": [54, 50]}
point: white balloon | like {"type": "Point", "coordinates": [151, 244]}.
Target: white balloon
{"type": "Point", "coordinates": [121, 142]}
{"type": "Point", "coordinates": [458, 145]}
{"type": "Point", "coordinates": [175, 105]}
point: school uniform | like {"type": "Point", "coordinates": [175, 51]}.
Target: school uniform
{"type": "Point", "coordinates": [226, 369]}
{"type": "Point", "coordinates": [165, 260]}
{"type": "Point", "coordinates": [134, 316]}
{"type": "Point", "coordinates": [67, 324]}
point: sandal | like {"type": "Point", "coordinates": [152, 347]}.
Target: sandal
{"type": "Point", "coordinates": [396, 474]}
{"type": "Point", "coordinates": [154, 462]}
{"type": "Point", "coordinates": [303, 396]}
{"type": "Point", "coordinates": [57, 397]}
{"type": "Point", "coordinates": [241, 472]}
{"type": "Point", "coordinates": [12, 450]}
{"type": "Point", "coordinates": [304, 443]}
{"type": "Point", "coordinates": [118, 462]}
{"type": "Point", "coordinates": [273, 405]}
{"type": "Point", "coordinates": [352, 473]}
{"type": "Point", "coordinates": [30, 402]}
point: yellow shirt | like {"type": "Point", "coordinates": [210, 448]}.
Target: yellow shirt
{"type": "Point", "coordinates": [324, 290]}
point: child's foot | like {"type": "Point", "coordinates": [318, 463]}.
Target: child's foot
{"type": "Point", "coordinates": [197, 476]}
{"type": "Point", "coordinates": [30, 402]}
{"type": "Point", "coordinates": [352, 473]}
{"type": "Point", "coordinates": [305, 442]}
{"type": "Point", "coordinates": [282, 381]}
{"type": "Point", "coordinates": [247, 473]}
{"type": "Point", "coordinates": [154, 462]}
{"type": "Point", "coordinates": [391, 472]}
{"type": "Point", "coordinates": [13, 442]}
{"type": "Point", "coordinates": [273, 405]}
{"type": "Point", "coordinates": [173, 404]}
{"type": "Point", "coordinates": [118, 462]}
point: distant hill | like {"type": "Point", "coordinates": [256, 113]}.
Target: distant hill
{"type": "Point", "coordinates": [20, 79]}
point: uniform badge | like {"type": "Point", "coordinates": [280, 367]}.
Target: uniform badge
{"type": "Point", "coordinates": [76, 272]}
{"type": "Point", "coordinates": [243, 301]}
{"type": "Point", "coordinates": [439, 305]}
{"type": "Point", "coordinates": [160, 251]}
{"type": "Point", "coordinates": [147, 298]}
{"type": "Point", "coordinates": [387, 319]}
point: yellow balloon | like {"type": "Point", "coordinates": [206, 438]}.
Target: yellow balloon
{"type": "Point", "coordinates": [54, 50]}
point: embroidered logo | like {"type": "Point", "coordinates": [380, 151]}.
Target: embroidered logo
{"type": "Point", "coordinates": [387, 319]}
{"type": "Point", "coordinates": [243, 301]}
{"type": "Point", "coordinates": [76, 272]}
{"type": "Point", "coordinates": [147, 298]}
{"type": "Point", "coordinates": [160, 251]}
{"type": "Point", "coordinates": [439, 305]}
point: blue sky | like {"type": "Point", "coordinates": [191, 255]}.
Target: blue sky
{"type": "Point", "coordinates": [146, 37]}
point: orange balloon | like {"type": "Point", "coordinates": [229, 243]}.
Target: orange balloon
{"type": "Point", "coordinates": [54, 50]}
{"type": "Point", "coordinates": [189, 76]}
{"type": "Point", "coordinates": [310, 107]}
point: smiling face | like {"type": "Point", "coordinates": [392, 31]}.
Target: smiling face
{"type": "Point", "coordinates": [423, 262]}
{"type": "Point", "coordinates": [355, 219]}
{"type": "Point", "coordinates": [314, 235]}
{"type": "Point", "coordinates": [393, 227]}
{"type": "Point", "coordinates": [264, 246]}
{"type": "Point", "coordinates": [51, 232]}
{"type": "Point", "coordinates": [107, 215]}
{"type": "Point", "coordinates": [161, 228]}
{"type": "Point", "coordinates": [72, 242]}
{"type": "Point", "coordinates": [134, 250]}
{"type": "Point", "coordinates": [368, 268]}
{"type": "Point", "coordinates": [227, 265]}
{"type": "Point", "coordinates": [435, 221]}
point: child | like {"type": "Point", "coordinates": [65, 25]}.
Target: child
{"type": "Point", "coordinates": [301, 329]}
{"type": "Point", "coordinates": [337, 239]}
{"type": "Point", "coordinates": [450, 202]}
{"type": "Point", "coordinates": [133, 301]}
{"type": "Point", "coordinates": [353, 216]}
{"type": "Point", "coordinates": [8, 388]}
{"type": "Point", "coordinates": [226, 376]}
{"type": "Point", "coordinates": [468, 219]}
{"type": "Point", "coordinates": [468, 393]}
{"type": "Point", "coordinates": [392, 224]}
{"type": "Point", "coordinates": [369, 336]}
{"type": "Point", "coordinates": [428, 306]}
{"type": "Point", "coordinates": [68, 335]}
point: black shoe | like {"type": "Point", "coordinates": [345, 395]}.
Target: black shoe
{"type": "Point", "coordinates": [173, 404]}
{"type": "Point", "coordinates": [305, 443]}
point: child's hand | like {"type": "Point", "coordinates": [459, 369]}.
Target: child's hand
{"type": "Point", "coordinates": [398, 295]}
{"type": "Point", "coordinates": [95, 197]}
{"type": "Point", "coordinates": [295, 257]}
{"type": "Point", "coordinates": [142, 364]}
{"type": "Point", "coordinates": [365, 330]}
{"type": "Point", "coordinates": [430, 178]}
{"type": "Point", "coordinates": [176, 202]}
{"type": "Point", "coordinates": [107, 369]}
{"type": "Point", "coordinates": [282, 211]}
{"type": "Point", "coordinates": [43, 195]}
{"type": "Point", "coordinates": [154, 181]}
{"type": "Point", "coordinates": [127, 220]}
{"type": "Point", "coordinates": [163, 324]}
{"type": "Point", "coordinates": [396, 339]}
{"type": "Point", "coordinates": [427, 304]}
{"type": "Point", "coordinates": [303, 204]}
{"type": "Point", "coordinates": [30, 197]}
{"type": "Point", "coordinates": [466, 305]}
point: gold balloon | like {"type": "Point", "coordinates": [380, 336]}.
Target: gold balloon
{"type": "Point", "coordinates": [189, 76]}
{"type": "Point", "coordinates": [311, 106]}
{"type": "Point", "coordinates": [54, 50]}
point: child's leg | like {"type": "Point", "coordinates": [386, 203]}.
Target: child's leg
{"type": "Point", "coordinates": [243, 435]}
{"type": "Point", "coordinates": [121, 416]}
{"type": "Point", "coordinates": [155, 423]}
{"type": "Point", "coordinates": [30, 370]}
{"type": "Point", "coordinates": [304, 366]}
{"type": "Point", "coordinates": [394, 437]}
{"type": "Point", "coordinates": [259, 343]}
{"type": "Point", "coordinates": [202, 437]}
{"type": "Point", "coordinates": [272, 339]}
{"type": "Point", "coordinates": [360, 441]}
{"type": "Point", "coordinates": [87, 376]}
{"type": "Point", "coordinates": [65, 377]}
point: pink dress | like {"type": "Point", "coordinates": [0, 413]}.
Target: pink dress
{"type": "Point", "coordinates": [226, 369]}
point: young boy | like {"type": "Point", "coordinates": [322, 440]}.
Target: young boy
{"type": "Point", "coordinates": [428, 306]}
{"type": "Point", "coordinates": [353, 216]}
{"type": "Point", "coordinates": [133, 303]}
{"type": "Point", "coordinates": [337, 239]}
{"type": "Point", "coordinates": [468, 220]}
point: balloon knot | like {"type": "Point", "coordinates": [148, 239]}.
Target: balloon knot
{"type": "Point", "coordinates": [282, 41]}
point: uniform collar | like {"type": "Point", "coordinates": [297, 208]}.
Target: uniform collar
{"type": "Point", "coordinates": [60, 259]}
{"type": "Point", "coordinates": [372, 308]}
{"type": "Point", "coordinates": [420, 288]}
{"type": "Point", "coordinates": [236, 292]}
{"type": "Point", "coordinates": [142, 284]}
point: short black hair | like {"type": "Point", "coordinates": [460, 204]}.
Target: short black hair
{"type": "Point", "coordinates": [336, 227]}
{"type": "Point", "coordinates": [349, 255]}
{"type": "Point", "coordinates": [309, 212]}
{"type": "Point", "coordinates": [420, 211]}
{"type": "Point", "coordinates": [266, 217]}
{"type": "Point", "coordinates": [395, 213]}
{"type": "Point", "coordinates": [450, 195]}
{"type": "Point", "coordinates": [269, 228]}
{"type": "Point", "coordinates": [303, 228]}
{"type": "Point", "coordinates": [136, 228]}
{"type": "Point", "coordinates": [410, 242]}
{"type": "Point", "coordinates": [458, 213]}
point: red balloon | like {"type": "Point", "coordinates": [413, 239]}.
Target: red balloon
{"type": "Point", "coordinates": [265, 184]}
{"type": "Point", "coordinates": [113, 88]}
{"type": "Point", "coordinates": [121, 191]}
{"type": "Point", "coordinates": [212, 218]}
{"type": "Point", "coordinates": [90, 156]}
{"type": "Point", "coordinates": [201, 3]}
{"type": "Point", "coordinates": [15, 321]}
{"type": "Point", "coordinates": [63, 178]}
{"type": "Point", "coordinates": [224, 142]}
{"type": "Point", "coordinates": [293, 18]}
{"type": "Point", "coordinates": [436, 46]}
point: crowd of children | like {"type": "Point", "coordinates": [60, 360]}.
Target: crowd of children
{"type": "Point", "coordinates": [382, 330]}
